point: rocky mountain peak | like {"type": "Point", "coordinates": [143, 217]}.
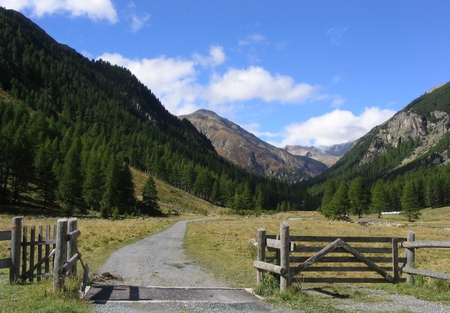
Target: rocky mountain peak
{"type": "Point", "coordinates": [246, 150]}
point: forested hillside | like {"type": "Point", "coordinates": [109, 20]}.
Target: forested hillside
{"type": "Point", "coordinates": [401, 165]}
{"type": "Point", "coordinates": [70, 128]}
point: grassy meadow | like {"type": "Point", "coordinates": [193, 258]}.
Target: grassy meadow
{"type": "Point", "coordinates": [223, 246]}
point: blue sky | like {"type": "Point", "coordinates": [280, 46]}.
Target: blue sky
{"type": "Point", "coordinates": [289, 71]}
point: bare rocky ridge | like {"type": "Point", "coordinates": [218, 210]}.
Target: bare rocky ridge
{"type": "Point", "coordinates": [247, 151]}
{"type": "Point", "coordinates": [407, 125]}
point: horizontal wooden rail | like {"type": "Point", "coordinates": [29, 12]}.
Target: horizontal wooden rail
{"type": "Point", "coordinates": [343, 269]}
{"type": "Point", "coordinates": [38, 243]}
{"type": "Point", "coordinates": [427, 273]}
{"type": "Point", "coordinates": [73, 234]}
{"type": "Point", "coordinates": [346, 259]}
{"type": "Point", "coordinates": [276, 269]}
{"type": "Point", "coordinates": [344, 238]}
{"type": "Point", "coordinates": [299, 248]}
{"type": "Point", "coordinates": [5, 263]}
{"type": "Point", "coordinates": [5, 235]}
{"type": "Point", "coordinates": [425, 244]}
{"type": "Point", "coordinates": [73, 260]}
{"type": "Point", "coordinates": [349, 280]}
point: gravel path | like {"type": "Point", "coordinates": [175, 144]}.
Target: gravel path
{"type": "Point", "coordinates": [159, 260]}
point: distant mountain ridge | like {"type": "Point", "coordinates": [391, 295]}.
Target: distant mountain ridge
{"type": "Point", "coordinates": [328, 155]}
{"type": "Point", "coordinates": [246, 150]}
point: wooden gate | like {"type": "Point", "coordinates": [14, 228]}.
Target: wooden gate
{"type": "Point", "coordinates": [36, 254]}
{"type": "Point", "coordinates": [314, 258]}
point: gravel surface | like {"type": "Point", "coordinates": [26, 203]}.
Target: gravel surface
{"type": "Point", "coordinates": [159, 260]}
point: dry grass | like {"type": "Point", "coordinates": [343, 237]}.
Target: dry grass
{"type": "Point", "coordinates": [223, 246]}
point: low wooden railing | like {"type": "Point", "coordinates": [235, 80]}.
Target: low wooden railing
{"type": "Point", "coordinates": [411, 245]}
{"type": "Point", "coordinates": [32, 256]}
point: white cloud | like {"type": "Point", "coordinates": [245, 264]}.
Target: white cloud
{"type": "Point", "coordinates": [252, 39]}
{"type": "Point", "coordinates": [216, 57]}
{"type": "Point", "coordinates": [338, 126]}
{"type": "Point", "coordinates": [139, 21]}
{"type": "Point", "coordinates": [93, 9]}
{"type": "Point", "coordinates": [257, 83]}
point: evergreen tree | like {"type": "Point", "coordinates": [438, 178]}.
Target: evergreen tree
{"type": "Point", "coordinates": [94, 181]}
{"type": "Point", "coordinates": [330, 190]}
{"type": "Point", "coordinates": [125, 190]}
{"type": "Point", "coordinates": [380, 198]}
{"type": "Point", "coordinates": [150, 198]}
{"type": "Point", "coordinates": [340, 204]}
{"type": "Point", "coordinates": [410, 201]}
{"type": "Point", "coordinates": [45, 177]}
{"type": "Point", "coordinates": [359, 196]}
{"type": "Point", "coordinates": [111, 197]}
{"type": "Point", "coordinates": [70, 183]}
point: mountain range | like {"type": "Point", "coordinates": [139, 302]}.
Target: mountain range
{"type": "Point", "coordinates": [292, 164]}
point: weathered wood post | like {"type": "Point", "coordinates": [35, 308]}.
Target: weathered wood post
{"type": "Point", "coordinates": [410, 256]}
{"type": "Point", "coordinates": [395, 271]}
{"type": "Point", "coordinates": [72, 244]}
{"type": "Point", "coordinates": [285, 280]}
{"type": "Point", "coordinates": [16, 235]}
{"type": "Point", "coordinates": [261, 254]}
{"type": "Point", "coordinates": [60, 254]}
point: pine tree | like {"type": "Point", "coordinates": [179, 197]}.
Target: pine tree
{"type": "Point", "coordinates": [150, 198]}
{"type": "Point", "coordinates": [110, 197]}
{"type": "Point", "coordinates": [70, 183]}
{"type": "Point", "coordinates": [359, 196]}
{"type": "Point", "coordinates": [410, 201]}
{"type": "Point", "coordinates": [125, 189]}
{"type": "Point", "coordinates": [380, 198]}
{"type": "Point", "coordinates": [94, 181]}
{"type": "Point", "coordinates": [340, 204]}
{"type": "Point", "coordinates": [44, 175]}
{"type": "Point", "coordinates": [330, 190]}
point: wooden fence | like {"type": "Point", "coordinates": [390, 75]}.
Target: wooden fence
{"type": "Point", "coordinates": [411, 245]}
{"type": "Point", "coordinates": [296, 257]}
{"type": "Point", "coordinates": [33, 255]}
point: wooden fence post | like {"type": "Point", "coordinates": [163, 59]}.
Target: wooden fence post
{"type": "Point", "coordinates": [395, 272]}
{"type": "Point", "coordinates": [410, 256]}
{"type": "Point", "coordinates": [16, 236]}
{"type": "Point", "coordinates": [284, 256]}
{"type": "Point", "coordinates": [72, 244]}
{"type": "Point", "coordinates": [60, 254]}
{"type": "Point", "coordinates": [261, 256]}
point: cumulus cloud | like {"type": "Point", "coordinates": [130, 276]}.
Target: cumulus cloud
{"type": "Point", "coordinates": [338, 126]}
{"type": "Point", "coordinates": [257, 83]}
{"type": "Point", "coordinates": [93, 9]}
